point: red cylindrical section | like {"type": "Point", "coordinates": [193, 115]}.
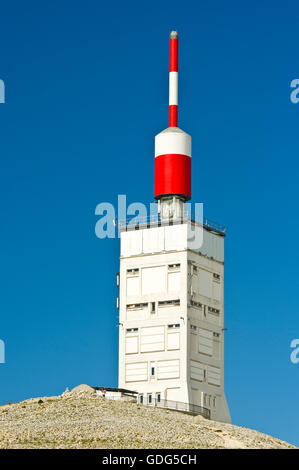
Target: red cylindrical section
{"type": "Point", "coordinates": [173, 175]}
{"type": "Point", "coordinates": [173, 53]}
{"type": "Point", "coordinates": [173, 115]}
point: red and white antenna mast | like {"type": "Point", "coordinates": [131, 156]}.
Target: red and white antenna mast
{"type": "Point", "coordinates": [172, 151]}
{"type": "Point", "coordinates": [173, 79]}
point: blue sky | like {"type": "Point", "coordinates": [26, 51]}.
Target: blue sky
{"type": "Point", "coordinates": [86, 91]}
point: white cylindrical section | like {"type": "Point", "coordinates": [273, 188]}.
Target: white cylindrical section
{"type": "Point", "coordinates": [173, 88]}
{"type": "Point", "coordinates": [173, 141]}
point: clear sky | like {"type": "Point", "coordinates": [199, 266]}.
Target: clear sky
{"type": "Point", "coordinates": [86, 91]}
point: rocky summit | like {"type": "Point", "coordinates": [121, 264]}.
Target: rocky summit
{"type": "Point", "coordinates": [81, 419]}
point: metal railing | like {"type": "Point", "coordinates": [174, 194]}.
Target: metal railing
{"type": "Point", "coordinates": [155, 220]}
{"type": "Point", "coordinates": [179, 406]}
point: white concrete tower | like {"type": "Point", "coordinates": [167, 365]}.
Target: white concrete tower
{"type": "Point", "coordinates": [171, 306]}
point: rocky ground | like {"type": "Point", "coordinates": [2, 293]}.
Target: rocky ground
{"type": "Point", "coordinates": [82, 419]}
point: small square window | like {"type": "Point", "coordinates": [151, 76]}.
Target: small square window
{"type": "Point", "coordinates": [133, 272]}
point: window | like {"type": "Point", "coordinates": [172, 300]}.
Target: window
{"type": "Point", "coordinates": [150, 399]}
{"type": "Point", "coordinates": [193, 327]}
{"type": "Point", "coordinates": [214, 402]}
{"type": "Point", "coordinates": [133, 272]}
{"type": "Point", "coordinates": [131, 330]}
{"type": "Point", "coordinates": [213, 310]}
{"type": "Point", "coordinates": [216, 277]}
{"type": "Point", "coordinates": [136, 306]}
{"type": "Point", "coordinates": [176, 325]}
{"type": "Point", "coordinates": [174, 267]}
{"type": "Point", "coordinates": [153, 307]}
{"type": "Point", "coordinates": [196, 304]}
{"type": "Point", "coordinates": [141, 399]}
{"type": "Point", "coordinates": [158, 397]}
{"type": "Point", "coordinates": [216, 335]}
{"type": "Point", "coordinates": [152, 369]}
{"type": "Point", "coordinates": [168, 303]}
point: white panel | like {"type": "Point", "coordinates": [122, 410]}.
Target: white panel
{"type": "Point", "coordinates": [174, 282]}
{"type": "Point", "coordinates": [153, 280]}
{"type": "Point", "coordinates": [172, 394]}
{"type": "Point", "coordinates": [216, 349]}
{"type": "Point", "coordinates": [195, 237]}
{"type": "Point", "coordinates": [205, 350]}
{"type": "Point", "coordinates": [152, 330]}
{"type": "Point", "coordinates": [152, 339]}
{"type": "Point", "coordinates": [205, 283]}
{"type": "Point", "coordinates": [132, 345]}
{"type": "Point", "coordinates": [205, 342]}
{"type": "Point", "coordinates": [213, 375]}
{"type": "Point", "coordinates": [168, 369]}
{"type": "Point", "coordinates": [194, 340]}
{"type": "Point", "coordinates": [153, 240]}
{"type": "Point", "coordinates": [173, 88]}
{"type": "Point", "coordinates": [195, 284]}
{"type": "Point", "coordinates": [131, 243]}
{"type": "Point", "coordinates": [213, 318]}
{"type": "Point", "coordinates": [196, 396]}
{"type": "Point", "coordinates": [135, 314]}
{"type": "Point", "coordinates": [176, 237]}
{"type": "Point", "coordinates": [136, 372]}
{"type": "Point", "coordinates": [206, 333]}
{"type": "Point", "coordinates": [152, 347]}
{"type": "Point", "coordinates": [197, 371]}
{"type": "Point", "coordinates": [173, 341]}
{"type": "Point", "coordinates": [213, 245]}
{"type": "Point", "coordinates": [216, 291]}
{"type": "Point", "coordinates": [133, 285]}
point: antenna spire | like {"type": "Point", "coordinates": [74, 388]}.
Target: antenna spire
{"type": "Point", "coordinates": [173, 79]}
